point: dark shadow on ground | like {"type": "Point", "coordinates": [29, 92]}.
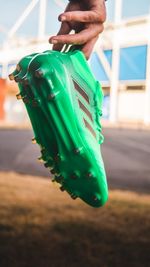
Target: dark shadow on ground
{"type": "Point", "coordinates": [42, 227]}
{"type": "Point", "coordinates": [72, 244]}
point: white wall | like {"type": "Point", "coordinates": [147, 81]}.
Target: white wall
{"type": "Point", "coordinates": [131, 106]}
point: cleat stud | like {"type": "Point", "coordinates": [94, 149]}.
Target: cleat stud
{"type": "Point", "coordinates": [43, 150]}
{"type": "Point", "coordinates": [74, 176]}
{"type": "Point", "coordinates": [96, 197]}
{"type": "Point", "coordinates": [34, 141]}
{"type": "Point", "coordinates": [38, 73]}
{"type": "Point", "coordinates": [46, 165]}
{"type": "Point", "coordinates": [11, 77]}
{"type": "Point", "coordinates": [89, 175]}
{"type": "Point", "coordinates": [51, 96]}
{"type": "Point", "coordinates": [25, 81]}
{"type": "Point", "coordinates": [59, 178]}
{"type": "Point", "coordinates": [77, 150]}
{"type": "Point", "coordinates": [57, 158]}
{"type": "Point", "coordinates": [25, 100]}
{"type": "Point", "coordinates": [53, 171]}
{"type": "Point", "coordinates": [73, 196]}
{"type": "Point", "coordinates": [17, 79]}
{"type": "Point", "coordinates": [18, 68]}
{"type": "Point", "coordinates": [19, 96]}
{"type": "Point", "coordinates": [62, 188]}
{"type": "Point", "coordinates": [35, 103]}
{"type": "Point", "coordinates": [40, 159]}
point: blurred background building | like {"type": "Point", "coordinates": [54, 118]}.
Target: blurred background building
{"type": "Point", "coordinates": [120, 60]}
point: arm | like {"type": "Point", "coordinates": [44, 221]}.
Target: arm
{"type": "Point", "coordinates": [86, 18]}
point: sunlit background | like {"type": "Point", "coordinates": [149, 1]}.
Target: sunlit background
{"type": "Point", "coordinates": [120, 60]}
{"type": "Point", "coordinates": [40, 226]}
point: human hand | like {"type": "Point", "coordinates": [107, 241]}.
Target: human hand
{"type": "Point", "coordinates": [86, 18]}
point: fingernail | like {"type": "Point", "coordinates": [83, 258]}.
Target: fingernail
{"type": "Point", "coordinates": [54, 41]}
{"type": "Point", "coordinates": [62, 18]}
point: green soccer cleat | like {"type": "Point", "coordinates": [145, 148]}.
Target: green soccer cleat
{"type": "Point", "coordinates": [64, 103]}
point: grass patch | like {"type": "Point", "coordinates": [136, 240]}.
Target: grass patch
{"type": "Point", "coordinates": [43, 227]}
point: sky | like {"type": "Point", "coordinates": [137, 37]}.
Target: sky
{"type": "Point", "coordinates": [10, 11]}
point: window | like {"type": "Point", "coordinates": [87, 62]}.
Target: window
{"type": "Point", "coordinates": [110, 10]}
{"type": "Point", "coordinates": [134, 8]}
{"type": "Point", "coordinates": [97, 67]}
{"type": "Point", "coordinates": [133, 63]}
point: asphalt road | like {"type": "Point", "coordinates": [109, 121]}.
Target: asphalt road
{"type": "Point", "coordinates": [126, 155]}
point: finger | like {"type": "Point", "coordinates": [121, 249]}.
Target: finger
{"type": "Point", "coordinates": [64, 29]}
{"type": "Point", "coordinates": [82, 16]}
{"type": "Point", "coordinates": [88, 47]}
{"type": "Point", "coordinates": [79, 38]}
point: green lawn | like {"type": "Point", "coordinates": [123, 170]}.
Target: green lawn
{"type": "Point", "coordinates": [42, 227]}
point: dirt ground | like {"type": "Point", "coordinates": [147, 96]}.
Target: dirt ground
{"type": "Point", "coordinates": [42, 227]}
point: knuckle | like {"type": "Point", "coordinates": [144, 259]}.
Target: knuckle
{"type": "Point", "coordinates": [103, 18]}
{"type": "Point", "coordinates": [68, 16]}
{"type": "Point", "coordinates": [100, 16]}
{"type": "Point", "coordinates": [89, 16]}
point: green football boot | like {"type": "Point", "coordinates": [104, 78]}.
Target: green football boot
{"type": "Point", "coordinates": [64, 104]}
